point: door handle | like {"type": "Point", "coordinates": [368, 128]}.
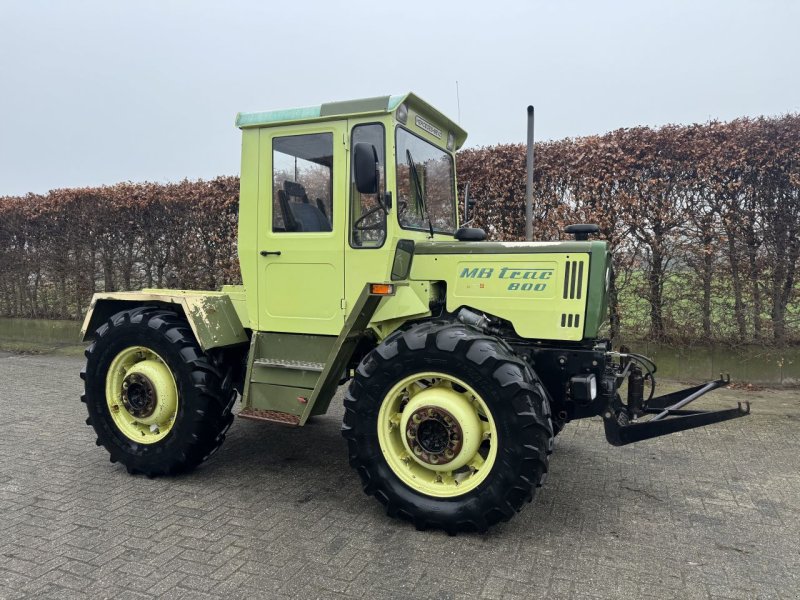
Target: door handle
{"type": "Point", "coordinates": [268, 252]}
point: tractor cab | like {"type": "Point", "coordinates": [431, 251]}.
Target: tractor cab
{"type": "Point", "coordinates": [328, 193]}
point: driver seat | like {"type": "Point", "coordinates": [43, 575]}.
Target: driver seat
{"type": "Point", "coordinates": [306, 216]}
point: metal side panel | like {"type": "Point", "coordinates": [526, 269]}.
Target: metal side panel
{"type": "Point", "coordinates": [279, 399]}
{"type": "Point", "coordinates": [543, 294]}
{"type": "Point", "coordinates": [290, 359]}
{"type": "Point", "coordinates": [340, 354]}
{"type": "Point", "coordinates": [282, 371]}
{"type": "Point", "coordinates": [249, 372]}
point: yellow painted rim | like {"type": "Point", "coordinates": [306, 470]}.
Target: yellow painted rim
{"type": "Point", "coordinates": [139, 369]}
{"type": "Point", "coordinates": [461, 471]}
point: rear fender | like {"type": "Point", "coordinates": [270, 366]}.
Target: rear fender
{"type": "Point", "coordinates": [211, 315]}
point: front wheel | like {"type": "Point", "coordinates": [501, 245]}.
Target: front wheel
{"type": "Point", "coordinates": [447, 427]}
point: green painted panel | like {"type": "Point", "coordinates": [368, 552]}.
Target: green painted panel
{"type": "Point", "coordinates": [437, 247]}
{"type": "Point", "coordinates": [279, 398]}
{"type": "Point", "coordinates": [408, 301]}
{"type": "Point", "coordinates": [211, 315]}
{"type": "Point", "coordinates": [301, 279]}
{"type": "Point", "coordinates": [541, 318]}
{"type": "Point", "coordinates": [266, 385]}
{"type": "Point", "coordinates": [293, 346]}
{"type": "Point", "coordinates": [276, 116]}
{"type": "Point", "coordinates": [282, 376]}
{"type": "Point", "coordinates": [238, 296]}
{"type": "Point", "coordinates": [542, 295]}
{"type": "Point", "coordinates": [340, 353]}
{"type": "Point", "coordinates": [597, 307]}
{"type": "Point", "coordinates": [354, 107]}
{"type": "Point", "coordinates": [247, 239]}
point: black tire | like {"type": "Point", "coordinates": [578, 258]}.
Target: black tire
{"type": "Point", "coordinates": [507, 385]}
{"type": "Point", "coordinates": [204, 408]}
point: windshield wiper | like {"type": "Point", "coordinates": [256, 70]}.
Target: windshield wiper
{"type": "Point", "coordinates": [420, 204]}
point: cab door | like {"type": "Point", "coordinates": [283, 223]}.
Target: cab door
{"type": "Point", "coordinates": [301, 218]}
{"type": "Point", "coordinates": [367, 249]}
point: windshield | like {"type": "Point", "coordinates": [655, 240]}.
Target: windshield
{"type": "Point", "coordinates": [425, 192]}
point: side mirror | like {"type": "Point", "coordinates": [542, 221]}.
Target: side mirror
{"type": "Point", "coordinates": [469, 204]}
{"type": "Point", "coordinates": [365, 168]}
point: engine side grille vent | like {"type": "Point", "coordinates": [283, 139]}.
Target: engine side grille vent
{"type": "Point", "coordinates": [570, 320]}
{"type": "Point", "coordinates": [573, 280]}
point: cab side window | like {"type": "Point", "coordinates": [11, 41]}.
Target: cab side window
{"type": "Point", "coordinates": [302, 183]}
{"type": "Point", "coordinates": [367, 215]}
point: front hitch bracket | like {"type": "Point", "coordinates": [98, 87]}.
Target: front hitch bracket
{"type": "Point", "coordinates": [669, 415]}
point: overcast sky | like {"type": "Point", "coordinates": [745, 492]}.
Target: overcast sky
{"type": "Point", "coordinates": [96, 92]}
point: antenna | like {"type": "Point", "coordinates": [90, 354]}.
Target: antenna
{"type": "Point", "coordinates": [458, 103]}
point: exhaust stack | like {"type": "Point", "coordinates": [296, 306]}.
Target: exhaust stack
{"type": "Point", "coordinates": [529, 182]}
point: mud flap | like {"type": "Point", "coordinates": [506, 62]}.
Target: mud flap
{"type": "Point", "coordinates": [669, 416]}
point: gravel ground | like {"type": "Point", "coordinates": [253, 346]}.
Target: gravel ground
{"type": "Point", "coordinates": [710, 513]}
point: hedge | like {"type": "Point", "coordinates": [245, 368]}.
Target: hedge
{"type": "Point", "coordinates": [703, 221]}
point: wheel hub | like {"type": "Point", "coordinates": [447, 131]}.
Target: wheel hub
{"type": "Point", "coordinates": [440, 428]}
{"type": "Point", "coordinates": [437, 434]}
{"type": "Point", "coordinates": [139, 395]}
{"type": "Point", "coordinates": [434, 435]}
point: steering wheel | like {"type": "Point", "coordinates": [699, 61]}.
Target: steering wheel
{"type": "Point", "coordinates": [357, 223]}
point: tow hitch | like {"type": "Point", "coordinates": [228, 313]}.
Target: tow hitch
{"type": "Point", "coordinates": [668, 415]}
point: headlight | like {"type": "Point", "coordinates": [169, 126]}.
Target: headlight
{"type": "Point", "coordinates": [402, 113]}
{"type": "Point", "coordinates": [584, 388]}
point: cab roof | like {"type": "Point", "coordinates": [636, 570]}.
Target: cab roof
{"type": "Point", "coordinates": [379, 105]}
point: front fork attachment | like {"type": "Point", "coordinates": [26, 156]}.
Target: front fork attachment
{"type": "Point", "coordinates": [669, 415]}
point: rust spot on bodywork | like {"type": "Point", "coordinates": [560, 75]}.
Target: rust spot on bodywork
{"type": "Point", "coordinates": [272, 416]}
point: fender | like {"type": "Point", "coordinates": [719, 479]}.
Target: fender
{"type": "Point", "coordinates": [216, 318]}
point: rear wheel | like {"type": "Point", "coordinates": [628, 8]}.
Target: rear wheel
{"type": "Point", "coordinates": [157, 403]}
{"type": "Point", "coordinates": [447, 427]}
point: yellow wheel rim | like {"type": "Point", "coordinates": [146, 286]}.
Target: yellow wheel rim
{"type": "Point", "coordinates": [142, 395]}
{"type": "Point", "coordinates": [437, 434]}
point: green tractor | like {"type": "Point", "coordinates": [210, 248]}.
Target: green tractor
{"type": "Point", "coordinates": [464, 357]}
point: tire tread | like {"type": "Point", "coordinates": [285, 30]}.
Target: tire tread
{"type": "Point", "coordinates": [490, 503]}
{"type": "Point", "coordinates": [205, 422]}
